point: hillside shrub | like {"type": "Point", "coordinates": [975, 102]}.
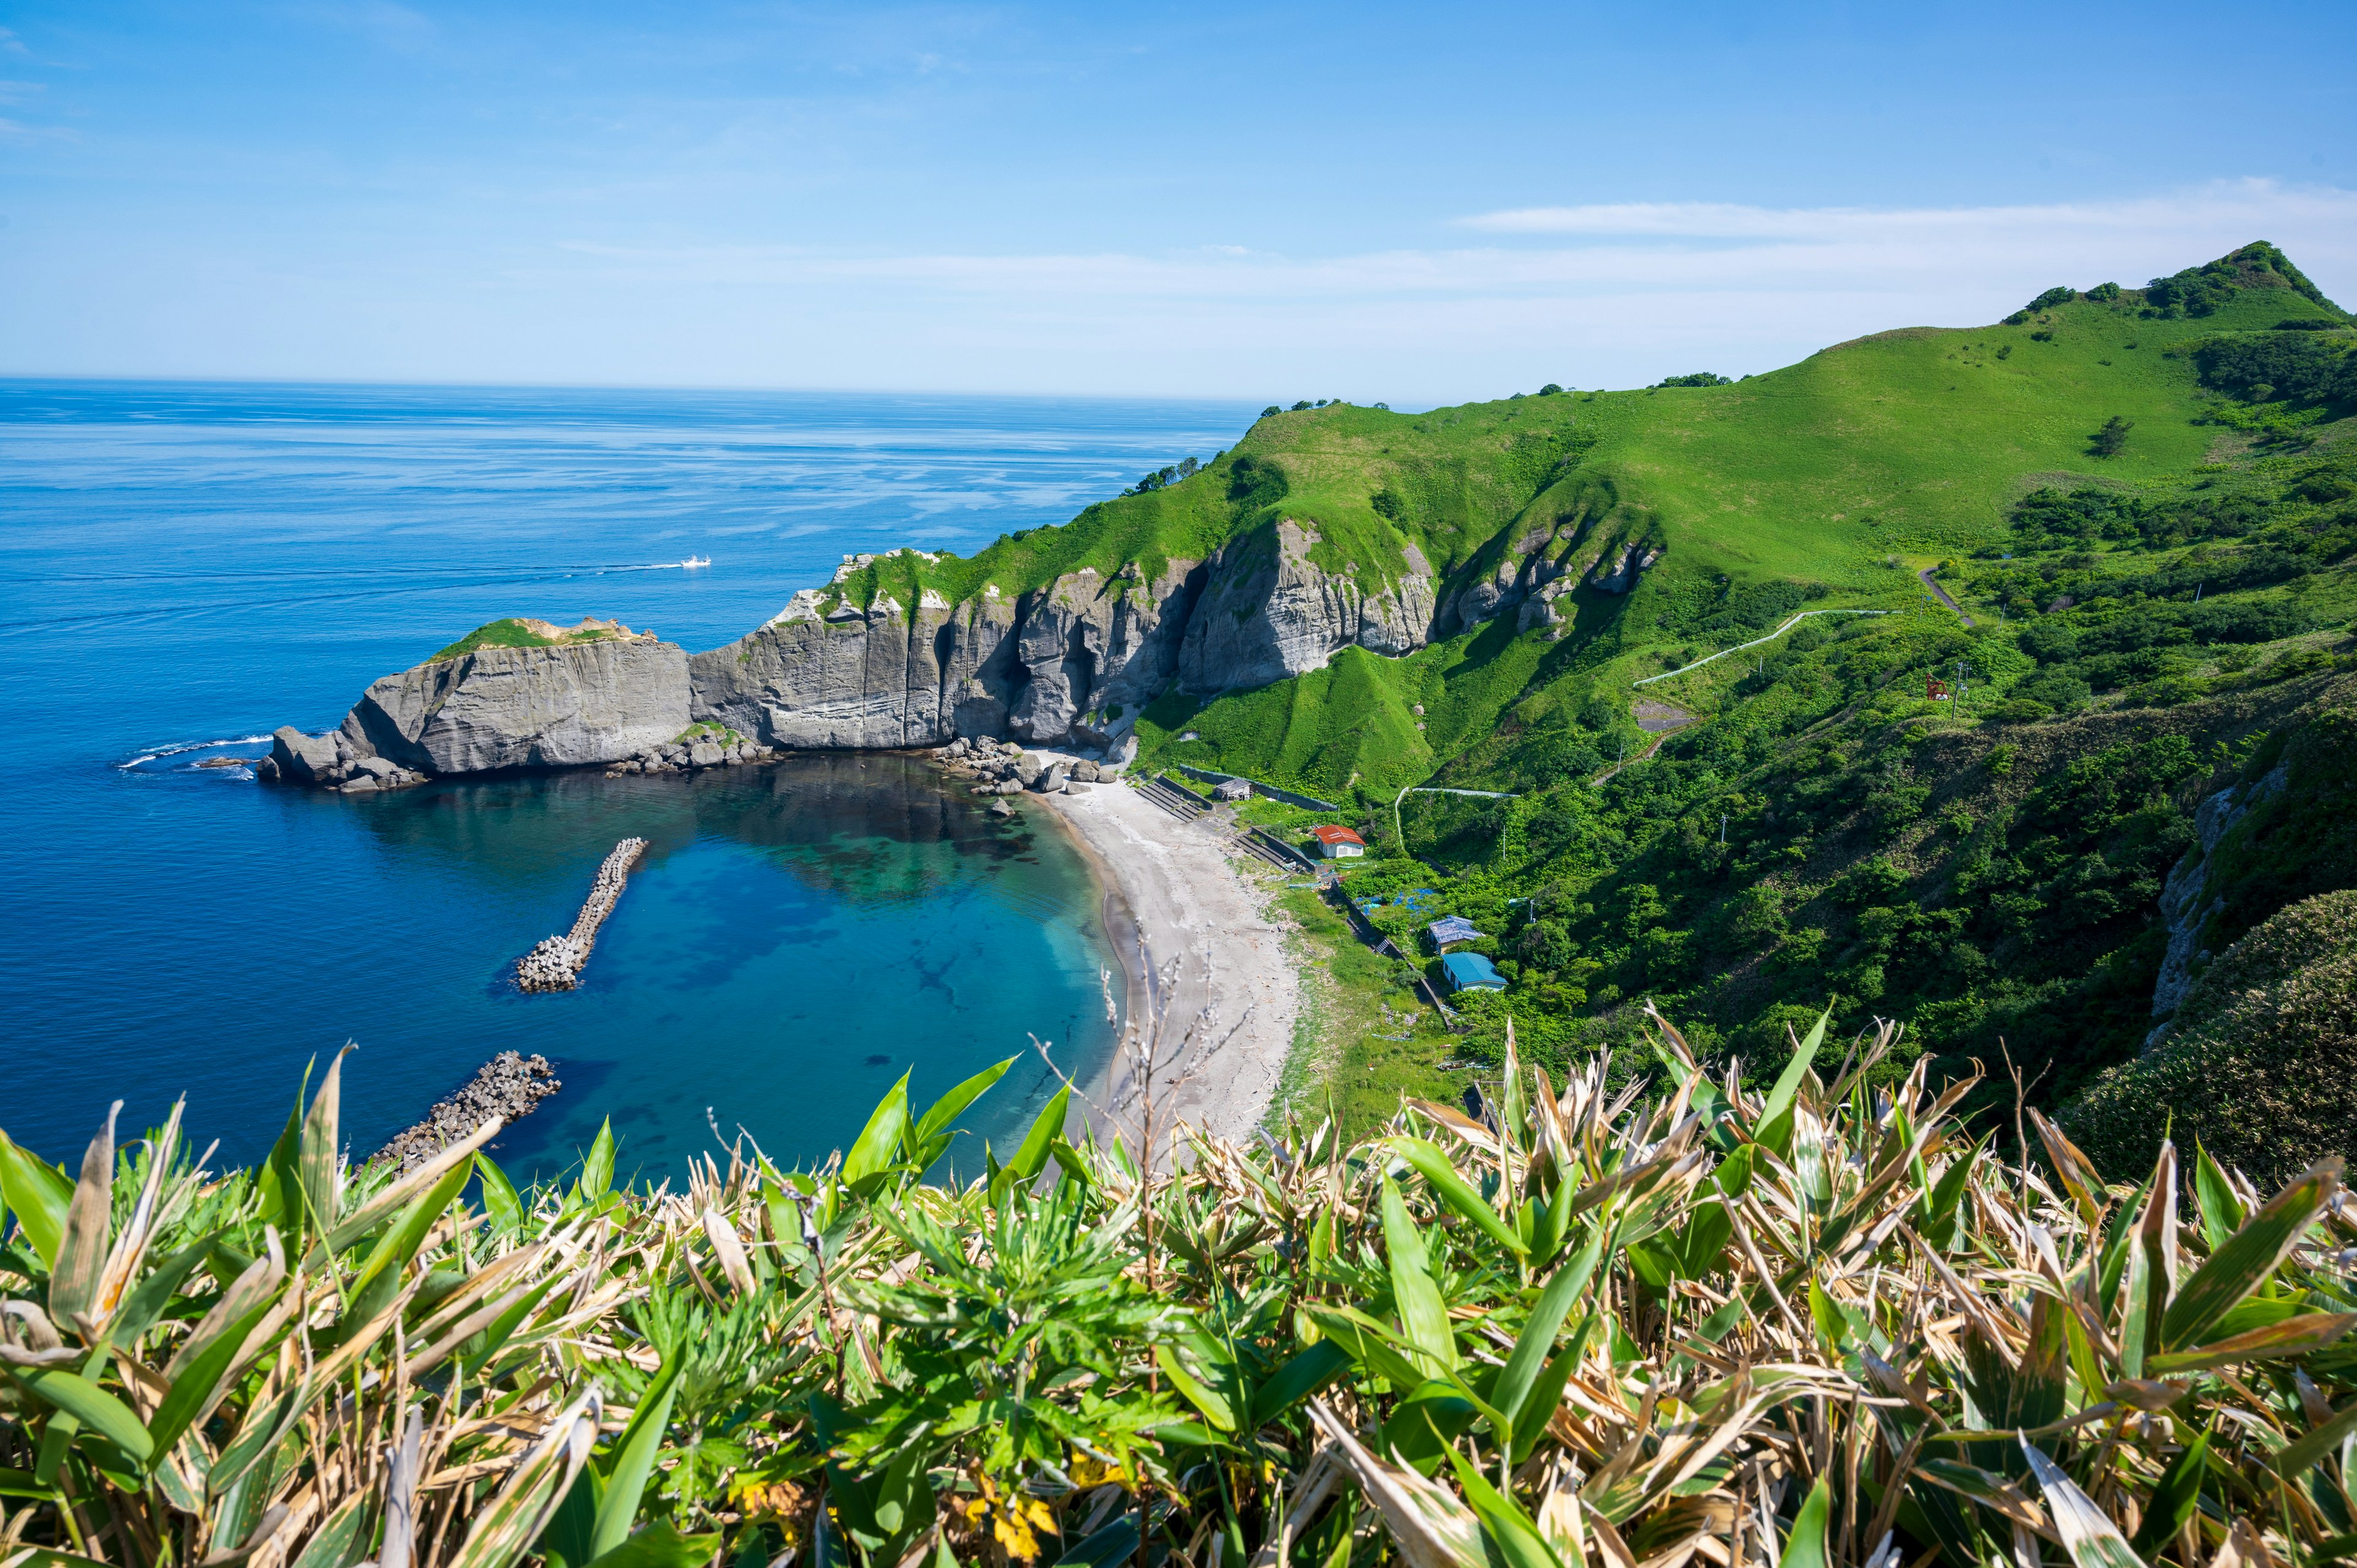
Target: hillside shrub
{"type": "Point", "coordinates": [2256, 1064]}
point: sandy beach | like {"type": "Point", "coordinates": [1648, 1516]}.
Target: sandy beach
{"type": "Point", "coordinates": [1236, 994]}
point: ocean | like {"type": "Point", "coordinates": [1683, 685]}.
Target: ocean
{"type": "Point", "coordinates": [184, 568]}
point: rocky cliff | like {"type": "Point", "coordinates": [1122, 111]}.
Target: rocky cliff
{"type": "Point", "coordinates": [1072, 662]}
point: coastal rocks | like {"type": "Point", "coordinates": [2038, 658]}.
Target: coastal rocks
{"type": "Point", "coordinates": [1091, 649]}
{"type": "Point", "coordinates": [561, 706]}
{"type": "Point", "coordinates": [303, 758]}
{"type": "Point", "coordinates": [1269, 612]}
{"type": "Point", "coordinates": [555, 963]}
{"type": "Point", "coordinates": [508, 1086]}
{"type": "Point", "coordinates": [850, 678]}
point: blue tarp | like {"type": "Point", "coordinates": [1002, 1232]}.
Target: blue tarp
{"type": "Point", "coordinates": [1453, 928]}
{"type": "Point", "coordinates": [1472, 972]}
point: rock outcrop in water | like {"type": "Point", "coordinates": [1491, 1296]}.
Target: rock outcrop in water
{"type": "Point", "coordinates": [1070, 663]}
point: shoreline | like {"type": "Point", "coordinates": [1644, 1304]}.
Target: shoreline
{"type": "Point", "coordinates": [1171, 888]}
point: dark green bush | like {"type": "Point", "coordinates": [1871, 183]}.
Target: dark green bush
{"type": "Point", "coordinates": [2255, 1063]}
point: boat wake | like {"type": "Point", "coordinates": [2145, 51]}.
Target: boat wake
{"type": "Point", "coordinates": [182, 749]}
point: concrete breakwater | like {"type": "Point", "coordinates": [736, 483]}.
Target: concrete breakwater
{"type": "Point", "coordinates": [555, 964]}
{"type": "Point", "coordinates": [508, 1086]}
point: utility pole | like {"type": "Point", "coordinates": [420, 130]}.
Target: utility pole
{"type": "Point", "coordinates": [1722, 830]}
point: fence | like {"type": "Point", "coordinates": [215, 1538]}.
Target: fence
{"type": "Point", "coordinates": [1307, 802]}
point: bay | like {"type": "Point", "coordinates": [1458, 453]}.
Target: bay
{"type": "Point", "coordinates": [185, 566]}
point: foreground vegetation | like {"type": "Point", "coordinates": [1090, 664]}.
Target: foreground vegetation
{"type": "Point", "coordinates": [1685, 1321]}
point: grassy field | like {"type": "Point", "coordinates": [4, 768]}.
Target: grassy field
{"type": "Point", "coordinates": [1363, 1042]}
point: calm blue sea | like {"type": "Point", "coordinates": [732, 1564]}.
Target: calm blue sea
{"type": "Point", "coordinates": [185, 566]}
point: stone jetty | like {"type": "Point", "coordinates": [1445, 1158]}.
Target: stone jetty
{"type": "Point", "coordinates": [510, 1085]}
{"type": "Point", "coordinates": [555, 964]}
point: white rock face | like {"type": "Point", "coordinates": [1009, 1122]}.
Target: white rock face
{"type": "Point", "coordinates": [1269, 612]}
{"type": "Point", "coordinates": [565, 706]}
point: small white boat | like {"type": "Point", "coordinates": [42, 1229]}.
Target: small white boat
{"type": "Point", "coordinates": [694, 560]}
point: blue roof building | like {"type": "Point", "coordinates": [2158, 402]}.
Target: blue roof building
{"type": "Point", "coordinates": [1472, 972]}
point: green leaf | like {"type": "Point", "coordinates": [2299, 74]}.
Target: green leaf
{"type": "Point", "coordinates": [634, 1460]}
{"type": "Point", "coordinates": [2293, 1337]}
{"type": "Point", "coordinates": [279, 1183]}
{"type": "Point", "coordinates": [1031, 1159]}
{"type": "Point", "coordinates": [1214, 1406]}
{"type": "Point", "coordinates": [1506, 1529]}
{"type": "Point", "coordinates": [1423, 1317]}
{"type": "Point", "coordinates": [1295, 1380]}
{"type": "Point", "coordinates": [941, 1113]}
{"type": "Point", "coordinates": [1453, 1190]}
{"type": "Point", "coordinates": [146, 1300]}
{"type": "Point", "coordinates": [92, 1406]}
{"type": "Point", "coordinates": [2174, 1499]}
{"type": "Point", "coordinates": [1535, 1345]}
{"type": "Point", "coordinates": [871, 1154]}
{"type": "Point", "coordinates": [38, 1194]}
{"type": "Point", "coordinates": [659, 1546]}
{"type": "Point", "coordinates": [2088, 1534]}
{"type": "Point", "coordinates": [2305, 1453]}
{"type": "Point", "coordinates": [1776, 1111]}
{"type": "Point", "coordinates": [191, 1393]}
{"type": "Point", "coordinates": [598, 1168]}
{"type": "Point", "coordinates": [2221, 1211]}
{"type": "Point", "coordinates": [2248, 1258]}
{"type": "Point", "coordinates": [399, 1245]}
{"type": "Point", "coordinates": [1115, 1543]}
{"type": "Point", "coordinates": [1546, 1392]}
{"type": "Point", "coordinates": [1805, 1546]}
{"type": "Point", "coordinates": [500, 1199]}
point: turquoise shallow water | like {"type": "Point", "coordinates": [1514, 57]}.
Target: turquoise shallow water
{"type": "Point", "coordinates": [184, 568]}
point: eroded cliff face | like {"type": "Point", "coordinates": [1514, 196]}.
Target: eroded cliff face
{"type": "Point", "coordinates": [822, 677]}
{"type": "Point", "coordinates": [1267, 612]}
{"type": "Point", "coordinates": [567, 706]}
{"type": "Point", "coordinates": [1540, 565]}
{"type": "Point", "coordinates": [1074, 661]}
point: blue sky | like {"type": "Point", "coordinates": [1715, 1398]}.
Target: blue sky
{"type": "Point", "coordinates": [1415, 204]}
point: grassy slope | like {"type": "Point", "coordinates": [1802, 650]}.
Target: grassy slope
{"type": "Point", "coordinates": [1846, 470]}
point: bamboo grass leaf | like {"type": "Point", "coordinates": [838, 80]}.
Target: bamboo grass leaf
{"type": "Point", "coordinates": [1303, 1375]}
{"type": "Point", "coordinates": [1031, 1157]}
{"type": "Point", "coordinates": [1430, 1528]}
{"type": "Point", "coordinates": [499, 1201]}
{"type": "Point", "coordinates": [2302, 1453]}
{"type": "Point", "coordinates": [320, 1158]}
{"type": "Point", "coordinates": [2090, 1536]}
{"type": "Point", "coordinates": [2249, 1257]}
{"type": "Point", "coordinates": [506, 1526]}
{"type": "Point", "coordinates": [1456, 1192]}
{"type": "Point", "coordinates": [80, 1260]}
{"type": "Point", "coordinates": [873, 1153]}
{"type": "Point", "coordinates": [196, 1388]}
{"type": "Point", "coordinates": [1511, 1532]}
{"type": "Point", "coordinates": [942, 1114]}
{"type": "Point", "coordinates": [380, 1208]}
{"type": "Point", "coordinates": [1535, 1345]}
{"type": "Point", "coordinates": [634, 1460]}
{"type": "Point", "coordinates": [1213, 1404]}
{"type": "Point", "coordinates": [1775, 1123]}
{"type": "Point", "coordinates": [2175, 1499]}
{"type": "Point", "coordinates": [2298, 1335]}
{"type": "Point", "coordinates": [2221, 1211]}
{"type": "Point", "coordinates": [1805, 1546]}
{"type": "Point", "coordinates": [37, 1194]}
{"type": "Point", "coordinates": [597, 1176]}
{"type": "Point", "coordinates": [1423, 1317]}
{"type": "Point", "coordinates": [90, 1405]}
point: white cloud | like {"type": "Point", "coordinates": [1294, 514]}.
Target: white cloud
{"type": "Point", "coordinates": [1602, 296]}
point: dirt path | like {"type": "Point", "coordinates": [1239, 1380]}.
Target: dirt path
{"type": "Point", "coordinates": [1928, 581]}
